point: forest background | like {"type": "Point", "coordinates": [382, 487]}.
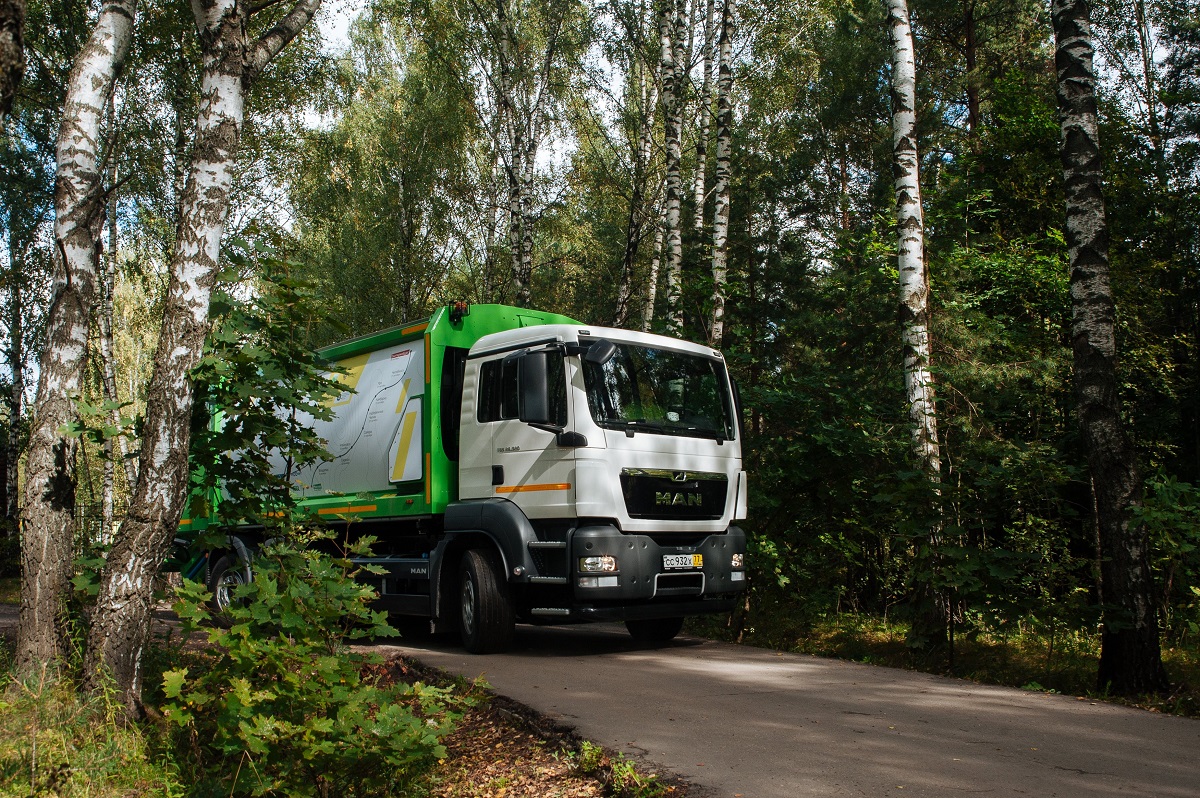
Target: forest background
{"type": "Point", "coordinates": [735, 186]}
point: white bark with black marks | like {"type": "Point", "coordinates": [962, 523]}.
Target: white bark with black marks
{"type": "Point", "coordinates": [910, 228]}
{"type": "Point", "coordinates": [705, 102]}
{"type": "Point", "coordinates": [656, 258]}
{"type": "Point", "coordinates": [722, 187]}
{"type": "Point", "coordinates": [672, 32]}
{"type": "Point", "coordinates": [47, 521]}
{"type": "Point", "coordinates": [121, 620]}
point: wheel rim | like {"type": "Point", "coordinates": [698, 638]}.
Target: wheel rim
{"type": "Point", "coordinates": [229, 582]}
{"type": "Point", "coordinates": [468, 605]}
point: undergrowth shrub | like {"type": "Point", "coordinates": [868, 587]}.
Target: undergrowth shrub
{"type": "Point", "coordinates": [57, 742]}
{"type": "Point", "coordinates": [281, 705]}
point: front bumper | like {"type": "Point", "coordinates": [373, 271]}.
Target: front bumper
{"type": "Point", "coordinates": [641, 572]}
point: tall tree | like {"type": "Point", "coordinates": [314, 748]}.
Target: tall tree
{"type": "Point", "coordinates": [518, 60]}
{"type": "Point", "coordinates": [722, 188]}
{"type": "Point", "coordinates": [12, 52]}
{"type": "Point", "coordinates": [673, 31]}
{"type": "Point", "coordinates": [704, 102]}
{"type": "Point", "coordinates": [232, 61]}
{"type": "Point", "coordinates": [1130, 658]}
{"type": "Point", "coordinates": [635, 49]}
{"type": "Point", "coordinates": [928, 620]}
{"type": "Point", "coordinates": [910, 228]}
{"type": "Point", "coordinates": [48, 510]}
{"type": "Point", "coordinates": [404, 138]}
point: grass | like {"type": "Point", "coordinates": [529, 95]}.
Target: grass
{"type": "Point", "coordinates": [10, 590]}
{"type": "Point", "coordinates": [1064, 662]}
{"type": "Point", "coordinates": [53, 742]}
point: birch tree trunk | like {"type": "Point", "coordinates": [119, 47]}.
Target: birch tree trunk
{"type": "Point", "coordinates": [914, 274]}
{"type": "Point", "coordinates": [929, 623]}
{"type": "Point", "coordinates": [231, 63]}
{"type": "Point", "coordinates": [705, 101]}
{"type": "Point", "coordinates": [641, 210]}
{"type": "Point", "coordinates": [16, 399]}
{"type": "Point", "coordinates": [1130, 657]}
{"type": "Point", "coordinates": [720, 253]}
{"type": "Point", "coordinates": [523, 74]}
{"type": "Point", "coordinates": [105, 324]}
{"type": "Point", "coordinates": [12, 53]}
{"type": "Point", "coordinates": [655, 266]}
{"type": "Point", "coordinates": [672, 28]}
{"type": "Point", "coordinates": [515, 148]}
{"type": "Point", "coordinates": [47, 523]}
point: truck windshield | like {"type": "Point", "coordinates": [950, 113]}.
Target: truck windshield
{"type": "Point", "coordinates": [641, 389]}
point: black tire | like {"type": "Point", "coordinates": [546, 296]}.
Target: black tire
{"type": "Point", "coordinates": [486, 617]}
{"type": "Point", "coordinates": [654, 630]}
{"type": "Point", "coordinates": [225, 576]}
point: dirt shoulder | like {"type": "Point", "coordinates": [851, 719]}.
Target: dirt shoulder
{"type": "Point", "coordinates": [504, 748]}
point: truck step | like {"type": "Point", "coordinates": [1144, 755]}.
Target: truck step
{"type": "Point", "coordinates": [548, 580]}
{"type": "Point", "coordinates": [560, 612]}
{"type": "Point", "coordinates": [547, 544]}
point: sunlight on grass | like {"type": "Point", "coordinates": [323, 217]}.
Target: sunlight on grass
{"type": "Point", "coordinates": [54, 743]}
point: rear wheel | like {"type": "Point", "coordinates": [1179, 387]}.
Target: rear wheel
{"type": "Point", "coordinates": [486, 616]}
{"type": "Point", "coordinates": [654, 630]}
{"type": "Point", "coordinates": [228, 573]}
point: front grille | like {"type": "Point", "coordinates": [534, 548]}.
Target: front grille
{"type": "Point", "coordinates": [654, 493]}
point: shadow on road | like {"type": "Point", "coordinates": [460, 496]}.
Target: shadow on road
{"type": "Point", "coordinates": [540, 641]}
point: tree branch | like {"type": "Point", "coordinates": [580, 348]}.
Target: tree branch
{"type": "Point", "coordinates": [275, 39]}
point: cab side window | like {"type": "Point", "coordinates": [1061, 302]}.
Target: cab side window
{"type": "Point", "coordinates": [499, 391]}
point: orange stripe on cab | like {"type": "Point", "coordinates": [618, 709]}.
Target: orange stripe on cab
{"type": "Point", "coordinates": [532, 488]}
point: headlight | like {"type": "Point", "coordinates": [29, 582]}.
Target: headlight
{"type": "Point", "coordinates": [602, 564]}
{"type": "Point", "coordinates": [739, 561]}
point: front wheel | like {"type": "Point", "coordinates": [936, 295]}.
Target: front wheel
{"type": "Point", "coordinates": [654, 630]}
{"type": "Point", "coordinates": [486, 616]}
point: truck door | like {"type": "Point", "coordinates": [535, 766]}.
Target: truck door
{"type": "Point", "coordinates": [525, 463]}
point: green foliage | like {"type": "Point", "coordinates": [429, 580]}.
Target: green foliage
{"type": "Point", "coordinates": [56, 742]}
{"type": "Point", "coordinates": [10, 555]}
{"type": "Point", "coordinates": [406, 140]}
{"type": "Point", "coordinates": [257, 385]}
{"type": "Point", "coordinates": [95, 423]}
{"type": "Point", "coordinates": [619, 775]}
{"type": "Point", "coordinates": [282, 705]}
{"type": "Point", "coordinates": [1171, 513]}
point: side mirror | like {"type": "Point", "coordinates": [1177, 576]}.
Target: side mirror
{"type": "Point", "coordinates": [600, 352]}
{"type": "Point", "coordinates": [533, 381]}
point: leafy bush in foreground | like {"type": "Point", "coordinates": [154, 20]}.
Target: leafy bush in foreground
{"type": "Point", "coordinates": [281, 705]}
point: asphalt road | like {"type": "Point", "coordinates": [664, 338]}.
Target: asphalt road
{"type": "Point", "coordinates": [739, 721]}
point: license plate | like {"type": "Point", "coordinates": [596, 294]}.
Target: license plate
{"type": "Point", "coordinates": [682, 562]}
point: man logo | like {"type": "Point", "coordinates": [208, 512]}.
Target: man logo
{"type": "Point", "coordinates": [669, 499]}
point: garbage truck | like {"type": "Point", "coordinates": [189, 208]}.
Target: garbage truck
{"type": "Point", "coordinates": [517, 465]}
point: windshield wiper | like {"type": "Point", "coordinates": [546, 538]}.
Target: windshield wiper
{"type": "Point", "coordinates": [634, 425]}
